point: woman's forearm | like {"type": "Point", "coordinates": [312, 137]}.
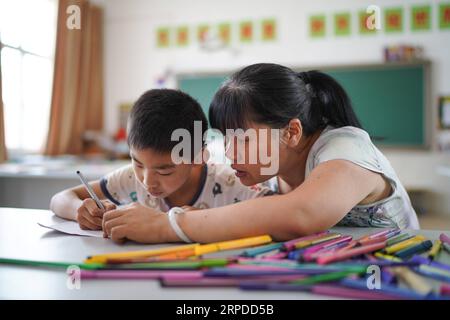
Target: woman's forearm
{"type": "Point", "coordinates": [274, 215]}
{"type": "Point", "coordinates": [65, 204]}
{"type": "Point", "coordinates": [319, 203]}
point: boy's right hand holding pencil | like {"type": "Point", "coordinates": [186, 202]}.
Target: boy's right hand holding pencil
{"type": "Point", "coordinates": [90, 215]}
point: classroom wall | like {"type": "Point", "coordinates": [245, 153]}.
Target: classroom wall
{"type": "Point", "coordinates": [133, 63]}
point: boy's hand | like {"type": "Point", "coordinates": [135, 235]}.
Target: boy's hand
{"type": "Point", "coordinates": [137, 223]}
{"type": "Point", "coordinates": [90, 216]}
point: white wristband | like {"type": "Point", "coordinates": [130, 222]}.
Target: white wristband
{"type": "Point", "coordinates": [174, 224]}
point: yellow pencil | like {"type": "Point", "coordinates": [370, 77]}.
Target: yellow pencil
{"type": "Point", "coordinates": [404, 244]}
{"type": "Point", "coordinates": [387, 257]}
{"type": "Point", "coordinates": [102, 258]}
{"type": "Point", "coordinates": [307, 243]}
{"type": "Point", "coordinates": [434, 251]}
{"type": "Point", "coordinates": [412, 280]}
{"type": "Point", "coordinates": [231, 245]}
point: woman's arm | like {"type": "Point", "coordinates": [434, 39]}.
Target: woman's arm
{"type": "Point", "coordinates": [322, 200]}
{"type": "Point", "coordinates": [325, 197]}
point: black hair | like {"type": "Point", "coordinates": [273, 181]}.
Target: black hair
{"type": "Point", "coordinates": [272, 94]}
{"type": "Point", "coordinates": [157, 113]}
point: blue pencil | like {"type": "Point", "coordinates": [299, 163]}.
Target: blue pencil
{"type": "Point", "coordinates": [262, 249]}
{"type": "Point", "coordinates": [423, 260]}
{"type": "Point", "coordinates": [248, 285]}
{"type": "Point", "coordinates": [432, 272]}
{"type": "Point", "coordinates": [295, 254]}
{"type": "Point", "coordinates": [388, 289]}
{"type": "Point", "coordinates": [421, 247]}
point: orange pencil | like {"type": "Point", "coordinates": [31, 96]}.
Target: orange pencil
{"type": "Point", "coordinates": [164, 257]}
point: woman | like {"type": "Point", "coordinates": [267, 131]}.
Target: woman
{"type": "Point", "coordinates": [329, 171]}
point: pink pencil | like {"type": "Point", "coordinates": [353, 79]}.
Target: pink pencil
{"type": "Point", "coordinates": [327, 244]}
{"type": "Point", "coordinates": [378, 234]}
{"type": "Point", "coordinates": [315, 255]}
{"type": "Point", "coordinates": [278, 262]}
{"type": "Point", "coordinates": [444, 238]}
{"type": "Point", "coordinates": [289, 245]}
{"type": "Point", "coordinates": [276, 256]}
{"type": "Point", "coordinates": [258, 267]}
{"type": "Point", "coordinates": [345, 254]}
{"type": "Point", "coordinates": [139, 274]}
{"type": "Point", "coordinates": [226, 282]}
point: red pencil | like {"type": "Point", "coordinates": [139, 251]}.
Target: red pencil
{"type": "Point", "coordinates": [445, 289]}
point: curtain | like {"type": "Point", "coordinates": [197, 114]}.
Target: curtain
{"type": "Point", "coordinates": [77, 95]}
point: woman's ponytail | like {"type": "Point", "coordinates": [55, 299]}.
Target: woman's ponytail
{"type": "Point", "coordinates": [330, 104]}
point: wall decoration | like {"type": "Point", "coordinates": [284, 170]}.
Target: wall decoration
{"type": "Point", "coordinates": [182, 36]}
{"type": "Point", "coordinates": [363, 18]}
{"type": "Point", "coordinates": [393, 20]}
{"type": "Point", "coordinates": [202, 32]}
{"type": "Point", "coordinates": [444, 112]}
{"type": "Point", "coordinates": [317, 25]}
{"type": "Point", "coordinates": [246, 31]}
{"type": "Point", "coordinates": [444, 16]}
{"type": "Point", "coordinates": [421, 18]}
{"type": "Point", "coordinates": [342, 24]}
{"type": "Point", "coordinates": [224, 30]}
{"type": "Point", "coordinates": [268, 30]}
{"type": "Point", "coordinates": [162, 37]}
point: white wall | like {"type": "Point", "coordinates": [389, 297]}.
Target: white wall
{"type": "Point", "coordinates": [132, 61]}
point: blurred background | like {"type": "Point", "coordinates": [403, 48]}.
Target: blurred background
{"type": "Point", "coordinates": [71, 70]}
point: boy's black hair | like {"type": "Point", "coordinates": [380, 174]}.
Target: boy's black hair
{"type": "Point", "coordinates": [273, 94]}
{"type": "Point", "coordinates": [157, 113]}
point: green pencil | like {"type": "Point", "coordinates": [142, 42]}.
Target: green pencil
{"type": "Point", "coordinates": [185, 264]}
{"type": "Point", "coordinates": [50, 264]}
{"type": "Point", "coordinates": [446, 247]}
{"type": "Point", "coordinates": [327, 277]}
{"type": "Point", "coordinates": [397, 239]}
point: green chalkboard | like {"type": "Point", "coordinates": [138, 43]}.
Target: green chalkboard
{"type": "Point", "coordinates": [201, 88]}
{"type": "Point", "coordinates": [389, 99]}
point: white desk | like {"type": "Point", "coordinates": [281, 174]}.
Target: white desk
{"type": "Point", "coordinates": [22, 238]}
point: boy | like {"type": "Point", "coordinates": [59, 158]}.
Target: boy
{"type": "Point", "coordinates": [152, 180]}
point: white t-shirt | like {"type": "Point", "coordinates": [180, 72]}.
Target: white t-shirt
{"type": "Point", "coordinates": [219, 187]}
{"type": "Point", "coordinates": [354, 145]}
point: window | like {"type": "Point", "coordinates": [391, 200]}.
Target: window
{"type": "Point", "coordinates": [27, 42]}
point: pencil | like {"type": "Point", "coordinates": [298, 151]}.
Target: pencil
{"type": "Point", "coordinates": [90, 191]}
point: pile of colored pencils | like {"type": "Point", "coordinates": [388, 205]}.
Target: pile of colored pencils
{"type": "Point", "coordinates": [389, 264]}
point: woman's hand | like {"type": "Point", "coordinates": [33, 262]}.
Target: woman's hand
{"type": "Point", "coordinates": [138, 223]}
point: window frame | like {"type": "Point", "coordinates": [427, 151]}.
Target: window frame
{"type": "Point", "coordinates": [15, 153]}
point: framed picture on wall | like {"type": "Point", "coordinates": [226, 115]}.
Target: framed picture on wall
{"type": "Point", "coordinates": [444, 112]}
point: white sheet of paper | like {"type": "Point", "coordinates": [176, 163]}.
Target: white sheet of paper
{"type": "Point", "coordinates": [71, 227]}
